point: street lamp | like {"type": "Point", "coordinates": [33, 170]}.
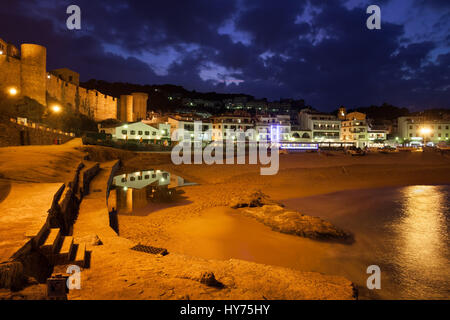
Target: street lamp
{"type": "Point", "coordinates": [425, 131]}
{"type": "Point", "coordinates": [56, 108]}
{"type": "Point", "coordinates": [12, 91]}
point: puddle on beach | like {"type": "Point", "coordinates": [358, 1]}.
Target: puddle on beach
{"type": "Point", "coordinates": [143, 192]}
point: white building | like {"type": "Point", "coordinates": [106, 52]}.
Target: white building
{"type": "Point", "coordinates": [419, 129]}
{"type": "Point", "coordinates": [227, 124]}
{"type": "Point", "coordinates": [377, 135]}
{"type": "Point", "coordinates": [324, 127]}
{"type": "Point", "coordinates": [184, 128]}
{"type": "Point", "coordinates": [142, 131]}
{"type": "Point", "coordinates": [273, 128]}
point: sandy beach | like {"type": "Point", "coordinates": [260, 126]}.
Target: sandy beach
{"type": "Point", "coordinates": [195, 229]}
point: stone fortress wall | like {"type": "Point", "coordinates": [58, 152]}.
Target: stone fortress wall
{"type": "Point", "coordinates": [91, 103]}
{"type": "Point", "coordinates": [26, 72]}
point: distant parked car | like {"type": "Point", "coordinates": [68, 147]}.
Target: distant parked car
{"type": "Point", "coordinates": [443, 148]}
{"type": "Point", "coordinates": [354, 151]}
{"type": "Point", "coordinates": [387, 149]}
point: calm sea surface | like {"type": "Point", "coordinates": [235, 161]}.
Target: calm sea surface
{"type": "Point", "coordinates": [405, 231]}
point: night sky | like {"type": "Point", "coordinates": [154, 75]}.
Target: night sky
{"type": "Point", "coordinates": [320, 51]}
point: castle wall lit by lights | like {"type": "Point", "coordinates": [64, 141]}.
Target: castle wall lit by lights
{"type": "Point", "coordinates": [26, 71]}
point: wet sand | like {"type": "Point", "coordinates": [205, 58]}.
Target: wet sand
{"type": "Point", "coordinates": [221, 233]}
{"type": "Point", "coordinates": [207, 228]}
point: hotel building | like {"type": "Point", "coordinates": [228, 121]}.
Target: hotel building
{"type": "Point", "coordinates": [324, 127]}
{"type": "Point", "coordinates": [222, 124]}
{"type": "Point", "coordinates": [419, 129]}
{"type": "Point", "coordinates": [355, 129]}
{"type": "Point", "coordinates": [273, 128]}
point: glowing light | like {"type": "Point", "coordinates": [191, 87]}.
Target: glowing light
{"type": "Point", "coordinates": [299, 146]}
{"type": "Point", "coordinates": [1, 52]}
{"type": "Point", "coordinates": [48, 76]}
{"type": "Point", "coordinates": [12, 91]}
{"type": "Point", "coordinates": [425, 130]}
{"type": "Point", "coordinates": [56, 109]}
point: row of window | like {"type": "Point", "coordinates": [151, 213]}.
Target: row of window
{"type": "Point", "coordinates": [432, 135]}
{"type": "Point", "coordinates": [358, 130]}
{"type": "Point", "coordinates": [226, 127]}
{"type": "Point", "coordinates": [432, 127]}
{"type": "Point", "coordinates": [165, 175]}
{"type": "Point", "coordinates": [326, 126]}
{"type": "Point", "coordinates": [140, 133]}
{"type": "Point", "coordinates": [350, 124]}
{"type": "Point", "coordinates": [353, 137]}
{"type": "Point", "coordinates": [190, 127]}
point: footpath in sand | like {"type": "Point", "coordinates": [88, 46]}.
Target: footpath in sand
{"type": "Point", "coordinates": [29, 177]}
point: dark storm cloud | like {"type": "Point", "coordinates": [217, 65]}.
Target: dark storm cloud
{"type": "Point", "coordinates": [320, 50]}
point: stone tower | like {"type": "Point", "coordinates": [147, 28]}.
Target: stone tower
{"type": "Point", "coordinates": [139, 106]}
{"type": "Point", "coordinates": [125, 108]}
{"type": "Point", "coordinates": [33, 72]}
{"type": "Point", "coordinates": [133, 107]}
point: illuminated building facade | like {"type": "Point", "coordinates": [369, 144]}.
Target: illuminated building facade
{"type": "Point", "coordinates": [419, 129]}
{"type": "Point", "coordinates": [355, 129]}
{"type": "Point", "coordinates": [324, 127]}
